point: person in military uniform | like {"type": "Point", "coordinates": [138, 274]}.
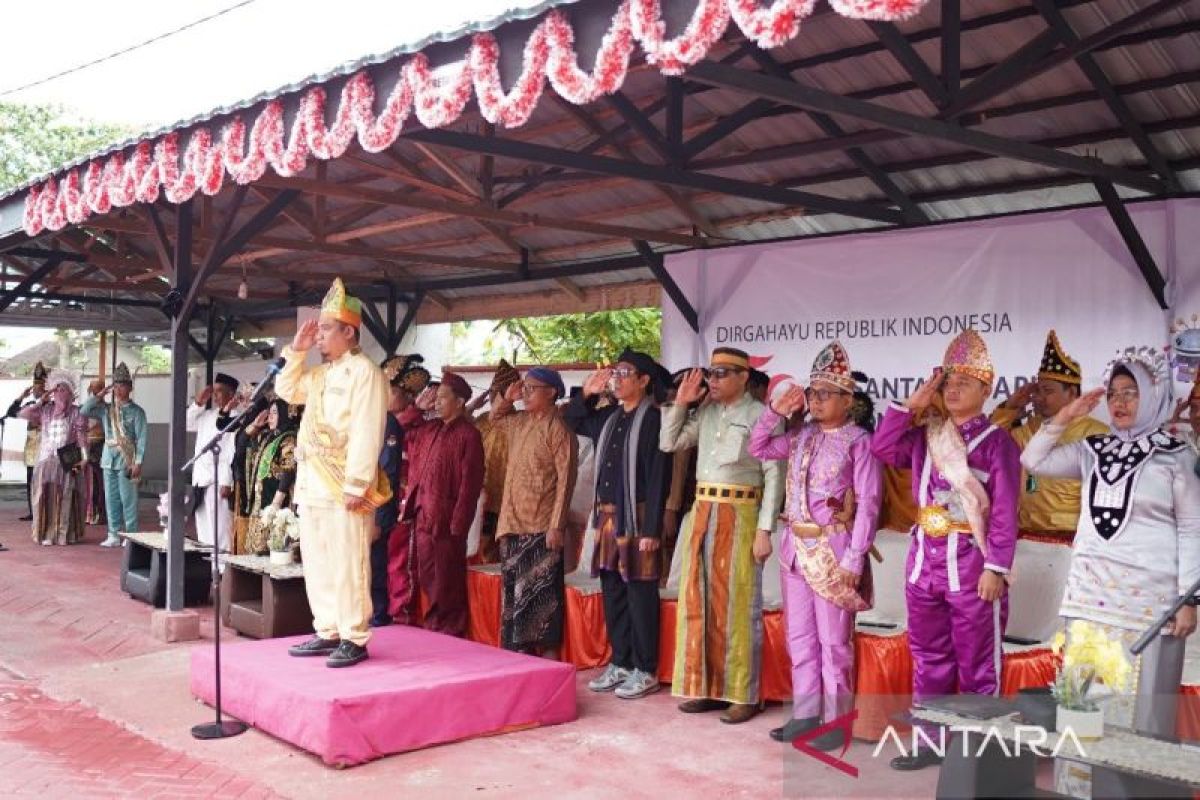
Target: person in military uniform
{"type": "Point", "coordinates": [338, 483]}
{"type": "Point", "coordinates": [124, 423]}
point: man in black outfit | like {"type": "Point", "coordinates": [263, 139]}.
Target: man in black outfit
{"type": "Point", "coordinates": [632, 479]}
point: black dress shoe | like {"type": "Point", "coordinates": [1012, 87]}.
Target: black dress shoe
{"type": "Point", "coordinates": [829, 740]}
{"type": "Point", "coordinates": [918, 760]}
{"type": "Point", "coordinates": [380, 621]}
{"type": "Point", "coordinates": [794, 728]}
{"type": "Point", "coordinates": [316, 646]}
{"type": "Point", "coordinates": [699, 705]}
{"type": "Point", "coordinates": [347, 655]}
{"type": "Point", "coordinates": [26, 518]}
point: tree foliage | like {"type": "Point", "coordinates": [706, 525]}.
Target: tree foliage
{"type": "Point", "coordinates": [156, 360]}
{"type": "Point", "coordinates": [589, 337]}
{"type": "Point", "coordinates": [36, 139]}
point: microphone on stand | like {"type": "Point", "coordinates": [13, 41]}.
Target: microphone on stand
{"type": "Point", "coordinates": [224, 728]}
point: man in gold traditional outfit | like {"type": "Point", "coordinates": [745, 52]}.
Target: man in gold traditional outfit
{"type": "Point", "coordinates": [338, 482]}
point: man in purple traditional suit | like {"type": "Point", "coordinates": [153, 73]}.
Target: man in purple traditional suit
{"type": "Point", "coordinates": [834, 488]}
{"type": "Point", "coordinates": [966, 481]}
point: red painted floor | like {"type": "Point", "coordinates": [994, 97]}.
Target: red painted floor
{"type": "Point", "coordinates": [91, 706]}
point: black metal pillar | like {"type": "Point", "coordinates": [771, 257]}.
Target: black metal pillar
{"type": "Point", "coordinates": [177, 480]}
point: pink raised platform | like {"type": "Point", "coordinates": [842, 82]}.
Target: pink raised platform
{"type": "Point", "coordinates": [417, 689]}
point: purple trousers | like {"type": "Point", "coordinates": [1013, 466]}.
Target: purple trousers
{"type": "Point", "coordinates": [954, 636]}
{"type": "Point", "coordinates": [820, 644]}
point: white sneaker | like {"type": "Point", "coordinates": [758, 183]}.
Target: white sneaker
{"type": "Point", "coordinates": [612, 677]}
{"type": "Point", "coordinates": [47, 544]}
{"type": "Point", "coordinates": [111, 541]}
{"type": "Point", "coordinates": [638, 684]}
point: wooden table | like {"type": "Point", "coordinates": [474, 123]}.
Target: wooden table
{"type": "Point", "coordinates": [144, 569]}
{"type": "Point", "coordinates": [264, 600]}
{"type": "Point", "coordinates": [1124, 763]}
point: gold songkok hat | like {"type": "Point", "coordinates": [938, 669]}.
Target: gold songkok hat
{"type": "Point", "coordinates": [340, 306]}
{"type": "Point", "coordinates": [968, 355]}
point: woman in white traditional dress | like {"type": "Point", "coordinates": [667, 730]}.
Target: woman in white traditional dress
{"type": "Point", "coordinates": [1137, 545]}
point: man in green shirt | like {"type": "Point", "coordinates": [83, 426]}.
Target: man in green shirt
{"type": "Point", "coordinates": [124, 424]}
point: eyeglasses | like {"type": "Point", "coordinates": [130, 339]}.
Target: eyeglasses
{"type": "Point", "coordinates": [721, 373]}
{"type": "Point", "coordinates": [1124, 396]}
{"type": "Point", "coordinates": [530, 388]}
{"type": "Point", "coordinates": [624, 372]}
{"type": "Point", "coordinates": [821, 394]}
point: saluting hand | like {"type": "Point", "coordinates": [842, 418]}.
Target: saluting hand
{"type": "Point", "coordinates": [514, 391]}
{"type": "Point", "coordinates": [597, 382]}
{"type": "Point", "coordinates": [1020, 398]}
{"type": "Point", "coordinates": [691, 388]}
{"type": "Point", "coordinates": [1079, 407]}
{"type": "Point", "coordinates": [922, 398]}
{"type": "Point", "coordinates": [306, 336]}
{"type": "Point", "coordinates": [791, 402]}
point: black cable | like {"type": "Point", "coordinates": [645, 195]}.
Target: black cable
{"type": "Point", "coordinates": [129, 49]}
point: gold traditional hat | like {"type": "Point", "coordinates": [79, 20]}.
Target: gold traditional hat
{"type": "Point", "coordinates": [414, 380]}
{"type": "Point", "coordinates": [340, 306]}
{"type": "Point", "coordinates": [833, 366]}
{"type": "Point", "coordinates": [968, 355]}
{"type": "Point", "coordinates": [1057, 365]}
{"type": "Point", "coordinates": [121, 374]}
{"type": "Point", "coordinates": [39, 373]}
{"type": "Point", "coordinates": [391, 367]}
{"type": "Point", "coordinates": [506, 375]}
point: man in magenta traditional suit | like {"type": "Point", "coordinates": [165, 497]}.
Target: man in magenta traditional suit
{"type": "Point", "coordinates": [444, 480]}
{"type": "Point", "coordinates": [966, 481]}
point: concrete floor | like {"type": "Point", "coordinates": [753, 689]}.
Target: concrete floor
{"type": "Point", "coordinates": [69, 639]}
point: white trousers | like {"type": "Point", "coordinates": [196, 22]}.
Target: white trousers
{"type": "Point", "coordinates": [204, 523]}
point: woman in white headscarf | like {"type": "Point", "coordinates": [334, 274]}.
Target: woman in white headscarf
{"type": "Point", "coordinates": [57, 500]}
{"type": "Point", "coordinates": [1137, 545]}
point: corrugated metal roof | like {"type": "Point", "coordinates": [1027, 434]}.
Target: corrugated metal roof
{"type": "Point", "coordinates": [415, 45]}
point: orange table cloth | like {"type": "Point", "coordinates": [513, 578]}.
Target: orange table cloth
{"type": "Point", "coordinates": [883, 663]}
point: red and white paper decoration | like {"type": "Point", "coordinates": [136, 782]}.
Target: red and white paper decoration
{"type": "Point", "coordinates": [550, 56]}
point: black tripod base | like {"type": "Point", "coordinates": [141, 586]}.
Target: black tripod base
{"type": "Point", "coordinates": [218, 730]}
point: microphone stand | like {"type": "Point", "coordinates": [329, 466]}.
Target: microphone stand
{"type": "Point", "coordinates": [1148, 635]}
{"type": "Point", "coordinates": [223, 728]}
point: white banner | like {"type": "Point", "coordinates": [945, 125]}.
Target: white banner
{"type": "Point", "coordinates": [896, 298]}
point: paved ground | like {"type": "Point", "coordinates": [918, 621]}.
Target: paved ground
{"type": "Point", "coordinates": [92, 707]}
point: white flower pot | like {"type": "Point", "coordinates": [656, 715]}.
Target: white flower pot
{"type": "Point", "coordinates": [281, 558]}
{"type": "Point", "coordinates": [1084, 724]}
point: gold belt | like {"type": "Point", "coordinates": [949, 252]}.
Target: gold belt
{"type": "Point", "coordinates": [727, 493]}
{"type": "Point", "coordinates": [937, 522]}
{"type": "Point", "coordinates": [811, 530]}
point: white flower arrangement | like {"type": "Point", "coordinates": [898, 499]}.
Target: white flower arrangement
{"type": "Point", "coordinates": [284, 526]}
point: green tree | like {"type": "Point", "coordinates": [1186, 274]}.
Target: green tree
{"type": "Point", "coordinates": [72, 347]}
{"type": "Point", "coordinates": [36, 139]}
{"type": "Point", "coordinates": [156, 360]}
{"type": "Point", "coordinates": [589, 337]}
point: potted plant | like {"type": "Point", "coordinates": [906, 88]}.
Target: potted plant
{"type": "Point", "coordinates": [285, 530]}
{"type": "Point", "coordinates": [1087, 656]}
